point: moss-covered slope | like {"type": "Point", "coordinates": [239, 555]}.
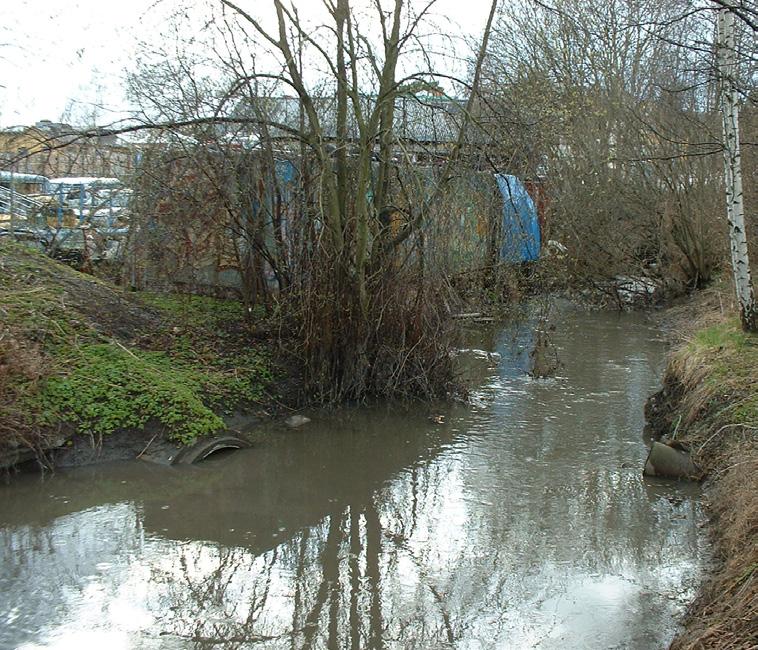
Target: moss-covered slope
{"type": "Point", "coordinates": [80, 356]}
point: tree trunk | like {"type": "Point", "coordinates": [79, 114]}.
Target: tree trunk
{"type": "Point", "coordinates": [727, 65]}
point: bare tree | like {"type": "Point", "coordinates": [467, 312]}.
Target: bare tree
{"type": "Point", "coordinates": [369, 319]}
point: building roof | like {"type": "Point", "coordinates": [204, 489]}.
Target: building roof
{"type": "Point", "coordinates": [46, 132]}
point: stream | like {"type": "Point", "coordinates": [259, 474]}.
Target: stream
{"type": "Point", "coordinates": [520, 520]}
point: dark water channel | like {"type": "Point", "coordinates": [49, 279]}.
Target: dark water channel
{"type": "Point", "coordinates": [515, 523]}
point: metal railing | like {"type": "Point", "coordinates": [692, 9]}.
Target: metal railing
{"type": "Point", "coordinates": [16, 204]}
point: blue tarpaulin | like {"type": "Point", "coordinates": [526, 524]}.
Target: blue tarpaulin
{"type": "Point", "coordinates": [521, 228]}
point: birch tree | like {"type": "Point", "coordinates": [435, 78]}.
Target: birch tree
{"type": "Point", "coordinates": [735, 209]}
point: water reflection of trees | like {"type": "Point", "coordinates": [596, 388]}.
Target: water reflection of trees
{"type": "Point", "coordinates": [321, 588]}
{"type": "Point", "coordinates": [426, 561]}
{"type": "Point", "coordinates": [439, 555]}
{"type": "Point", "coordinates": [326, 586]}
{"type": "Point", "coordinates": [48, 572]}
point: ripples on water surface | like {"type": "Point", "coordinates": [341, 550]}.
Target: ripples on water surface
{"type": "Point", "coordinates": [513, 524]}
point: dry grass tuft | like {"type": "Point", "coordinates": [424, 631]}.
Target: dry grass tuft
{"type": "Point", "coordinates": [725, 616]}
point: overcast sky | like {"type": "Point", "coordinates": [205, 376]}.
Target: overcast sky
{"type": "Point", "coordinates": [66, 59]}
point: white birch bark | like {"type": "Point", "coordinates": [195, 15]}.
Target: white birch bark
{"type": "Point", "coordinates": [727, 68]}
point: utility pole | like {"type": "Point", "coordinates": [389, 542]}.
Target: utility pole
{"type": "Point", "coordinates": [735, 208]}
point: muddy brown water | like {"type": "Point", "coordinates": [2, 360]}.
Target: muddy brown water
{"type": "Point", "coordinates": [520, 521]}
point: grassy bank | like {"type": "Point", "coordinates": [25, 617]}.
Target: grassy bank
{"type": "Point", "coordinates": [710, 404]}
{"type": "Point", "coordinates": [79, 356]}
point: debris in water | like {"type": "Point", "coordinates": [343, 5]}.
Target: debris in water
{"type": "Point", "coordinates": [295, 421]}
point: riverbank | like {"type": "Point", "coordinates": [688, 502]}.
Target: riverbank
{"type": "Point", "coordinates": [709, 404]}
{"type": "Point", "coordinates": [82, 360]}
